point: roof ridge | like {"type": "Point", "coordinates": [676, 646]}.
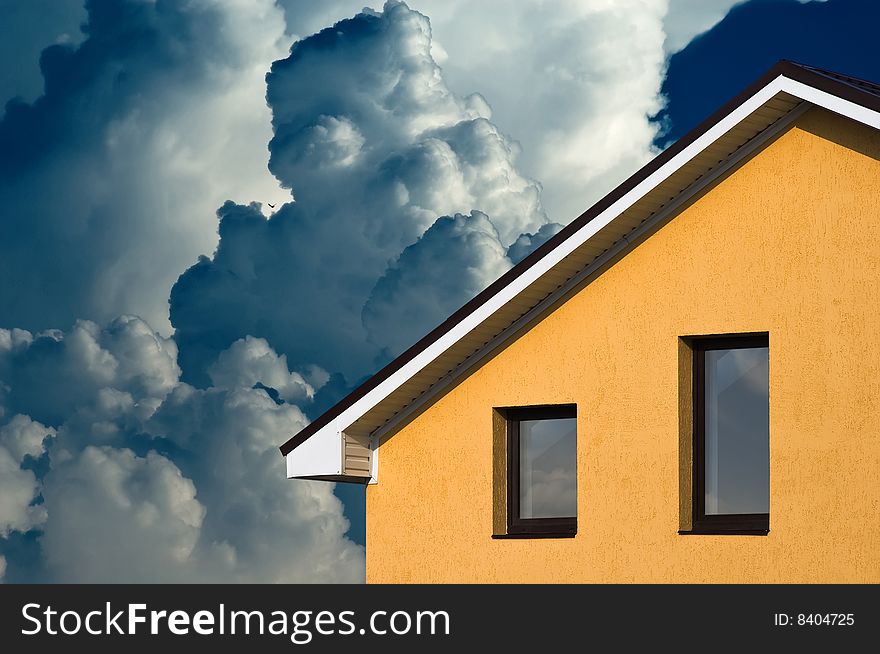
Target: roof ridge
{"type": "Point", "coordinates": [856, 82]}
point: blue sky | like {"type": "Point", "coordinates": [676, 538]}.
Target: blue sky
{"type": "Point", "coordinates": [163, 329]}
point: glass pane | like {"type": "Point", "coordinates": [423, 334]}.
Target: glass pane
{"type": "Point", "coordinates": [548, 468]}
{"type": "Point", "coordinates": [737, 431]}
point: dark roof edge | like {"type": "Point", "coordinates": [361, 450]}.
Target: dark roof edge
{"type": "Point", "coordinates": [838, 85]}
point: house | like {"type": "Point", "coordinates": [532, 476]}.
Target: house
{"type": "Point", "coordinates": [683, 385]}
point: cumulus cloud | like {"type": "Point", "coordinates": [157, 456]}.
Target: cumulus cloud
{"type": "Point", "coordinates": [53, 374]}
{"type": "Point", "coordinates": [112, 174]}
{"type": "Point", "coordinates": [259, 525]}
{"type": "Point", "coordinates": [251, 361]}
{"type": "Point", "coordinates": [18, 489]}
{"type": "Point", "coordinates": [143, 478]}
{"type": "Point", "coordinates": [375, 148]}
{"type": "Point", "coordinates": [20, 438]}
{"type": "Point", "coordinates": [557, 81]}
{"type": "Point", "coordinates": [116, 516]}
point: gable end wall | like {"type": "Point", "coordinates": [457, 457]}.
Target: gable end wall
{"type": "Point", "coordinates": [789, 243]}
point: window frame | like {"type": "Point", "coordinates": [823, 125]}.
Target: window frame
{"type": "Point", "coordinates": [734, 523]}
{"type": "Point", "coordinates": [533, 527]}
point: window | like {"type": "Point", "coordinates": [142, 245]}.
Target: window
{"type": "Point", "coordinates": [542, 471]}
{"type": "Point", "coordinates": [731, 450]}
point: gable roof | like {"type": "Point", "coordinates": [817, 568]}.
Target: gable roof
{"type": "Point", "coordinates": [590, 242]}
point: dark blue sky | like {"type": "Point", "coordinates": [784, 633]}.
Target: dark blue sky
{"type": "Point", "coordinates": [839, 35]}
{"type": "Point", "coordinates": [162, 330]}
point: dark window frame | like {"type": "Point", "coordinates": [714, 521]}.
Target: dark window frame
{"type": "Point", "coordinates": [738, 523]}
{"type": "Point", "coordinates": [532, 527]}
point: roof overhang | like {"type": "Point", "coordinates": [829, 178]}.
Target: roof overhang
{"type": "Point", "coordinates": [341, 444]}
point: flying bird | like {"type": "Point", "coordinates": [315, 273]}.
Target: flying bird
{"type": "Point", "coordinates": [271, 206]}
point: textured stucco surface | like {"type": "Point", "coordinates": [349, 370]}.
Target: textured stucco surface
{"type": "Point", "coordinates": [789, 244]}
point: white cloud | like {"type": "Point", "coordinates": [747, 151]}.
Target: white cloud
{"type": "Point", "coordinates": [118, 517]}
{"type": "Point", "coordinates": [267, 528]}
{"type": "Point", "coordinates": [149, 479]}
{"type": "Point", "coordinates": [18, 489]}
{"type": "Point", "coordinates": [23, 437]}
{"type": "Point", "coordinates": [249, 361]}
{"type": "Point", "coordinates": [54, 373]}
{"type": "Point", "coordinates": [20, 438]}
{"type": "Point", "coordinates": [573, 81]}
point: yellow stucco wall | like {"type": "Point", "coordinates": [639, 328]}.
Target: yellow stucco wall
{"type": "Point", "coordinates": [789, 244]}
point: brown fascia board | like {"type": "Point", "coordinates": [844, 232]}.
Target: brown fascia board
{"type": "Point", "coordinates": [855, 90]}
